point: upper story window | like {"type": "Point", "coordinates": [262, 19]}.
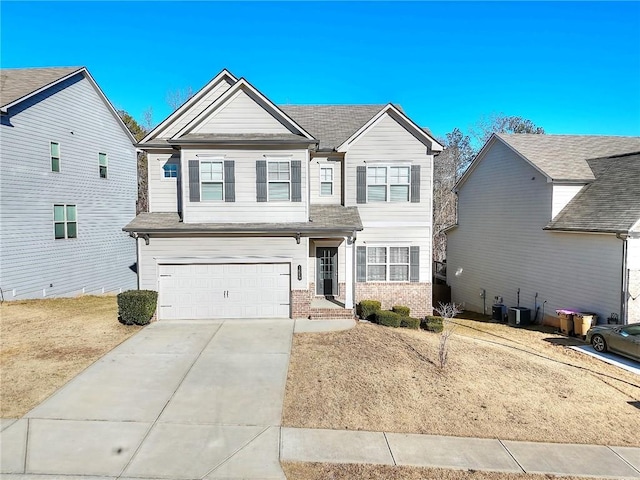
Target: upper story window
{"type": "Point", "coordinates": [279, 180]}
{"type": "Point", "coordinates": [326, 181]}
{"type": "Point", "coordinates": [55, 157]}
{"type": "Point", "coordinates": [211, 181]}
{"type": "Point", "coordinates": [170, 170]}
{"type": "Point", "coordinates": [102, 164]}
{"type": "Point", "coordinates": [388, 264]}
{"type": "Point", "coordinates": [65, 224]}
{"type": "Point", "coordinates": [388, 184]}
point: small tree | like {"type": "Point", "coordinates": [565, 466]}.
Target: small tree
{"type": "Point", "coordinates": [447, 311]}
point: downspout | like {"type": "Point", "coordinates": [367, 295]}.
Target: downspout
{"type": "Point", "coordinates": [354, 255]}
{"type": "Point", "coordinates": [625, 279]}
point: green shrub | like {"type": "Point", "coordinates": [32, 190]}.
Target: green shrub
{"type": "Point", "coordinates": [388, 318]}
{"type": "Point", "coordinates": [408, 322]}
{"type": "Point", "coordinates": [367, 309]}
{"type": "Point", "coordinates": [432, 324]}
{"type": "Point", "coordinates": [137, 306]}
{"type": "Point", "coordinates": [402, 310]}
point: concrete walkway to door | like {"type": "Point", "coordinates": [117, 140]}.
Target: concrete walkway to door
{"type": "Point", "coordinates": [180, 400]}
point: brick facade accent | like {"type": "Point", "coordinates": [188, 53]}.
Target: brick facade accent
{"type": "Point", "coordinates": [416, 296]}
{"type": "Point", "coordinates": [300, 303]}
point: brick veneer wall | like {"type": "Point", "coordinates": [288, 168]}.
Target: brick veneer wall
{"type": "Point", "coordinates": [416, 296]}
{"type": "Point", "coordinates": [301, 303]}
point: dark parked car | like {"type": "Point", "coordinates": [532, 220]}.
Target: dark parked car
{"type": "Point", "coordinates": [621, 339]}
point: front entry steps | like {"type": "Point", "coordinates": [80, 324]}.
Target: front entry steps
{"type": "Point", "coordinates": [327, 309]}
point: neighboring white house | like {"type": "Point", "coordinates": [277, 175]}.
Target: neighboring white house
{"type": "Point", "coordinates": [258, 210]}
{"type": "Point", "coordinates": [557, 216]}
{"type": "Point", "coordinates": [68, 182]}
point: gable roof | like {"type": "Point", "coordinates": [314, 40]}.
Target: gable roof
{"type": "Point", "coordinates": [19, 84]}
{"type": "Point", "coordinates": [610, 204]}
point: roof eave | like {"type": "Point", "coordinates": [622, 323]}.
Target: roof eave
{"type": "Point", "coordinates": [242, 142]}
{"type": "Point", "coordinates": [585, 230]}
{"type": "Point", "coordinates": [304, 231]}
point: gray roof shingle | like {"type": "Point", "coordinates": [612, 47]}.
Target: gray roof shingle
{"type": "Point", "coordinates": [324, 218]}
{"type": "Point", "coordinates": [564, 157]}
{"type": "Point", "coordinates": [241, 138]}
{"type": "Point", "coordinates": [611, 203]}
{"type": "Point", "coordinates": [16, 83]}
{"type": "Point", "coordinates": [331, 124]}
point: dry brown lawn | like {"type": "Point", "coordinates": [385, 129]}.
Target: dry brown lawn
{"type": "Point", "coordinates": [500, 382]}
{"type": "Point", "coordinates": [330, 471]}
{"type": "Point", "coordinates": [45, 343]}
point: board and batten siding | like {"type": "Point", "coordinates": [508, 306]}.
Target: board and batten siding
{"type": "Point", "coordinates": [314, 180]}
{"type": "Point", "coordinates": [499, 245]}
{"type": "Point", "coordinates": [245, 208]}
{"type": "Point", "coordinates": [240, 114]}
{"type": "Point", "coordinates": [217, 249]}
{"type": "Point", "coordinates": [562, 195]}
{"type": "Point", "coordinates": [163, 192]}
{"type": "Point", "coordinates": [388, 143]}
{"type": "Point", "coordinates": [32, 262]}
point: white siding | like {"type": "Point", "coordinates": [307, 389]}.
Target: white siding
{"type": "Point", "coordinates": [314, 176]}
{"type": "Point", "coordinates": [245, 209]}
{"type": "Point", "coordinates": [499, 245]}
{"type": "Point", "coordinates": [31, 260]}
{"type": "Point", "coordinates": [562, 195]}
{"type": "Point", "coordinates": [253, 249]}
{"type": "Point", "coordinates": [633, 266]}
{"type": "Point", "coordinates": [163, 192]}
{"type": "Point", "coordinates": [240, 114]}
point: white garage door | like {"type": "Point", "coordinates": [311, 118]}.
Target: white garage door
{"type": "Point", "coordinates": [257, 290]}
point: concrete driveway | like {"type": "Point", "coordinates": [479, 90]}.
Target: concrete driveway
{"type": "Point", "coordinates": [183, 400]}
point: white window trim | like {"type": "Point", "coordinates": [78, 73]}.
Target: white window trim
{"type": "Point", "coordinates": [278, 160]}
{"type": "Point", "coordinates": [206, 159]}
{"type": "Point", "coordinates": [387, 166]}
{"type": "Point", "coordinates": [65, 205]}
{"type": "Point", "coordinates": [106, 166]}
{"type": "Point", "coordinates": [388, 263]}
{"type": "Point", "coordinates": [170, 179]}
{"type": "Point", "coordinates": [51, 157]}
{"type": "Point", "coordinates": [329, 167]}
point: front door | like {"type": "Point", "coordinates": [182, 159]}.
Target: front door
{"type": "Point", "coordinates": [327, 271]}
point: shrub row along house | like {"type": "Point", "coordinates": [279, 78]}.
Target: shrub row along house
{"type": "Point", "coordinates": [68, 183]}
{"type": "Point", "coordinates": [257, 210]}
{"type": "Point", "coordinates": [550, 222]}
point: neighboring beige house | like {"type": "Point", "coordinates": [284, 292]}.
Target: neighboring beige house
{"type": "Point", "coordinates": [557, 216]}
{"type": "Point", "coordinates": [259, 210]}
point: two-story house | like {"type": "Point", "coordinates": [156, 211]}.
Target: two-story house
{"type": "Point", "coordinates": [259, 210]}
{"type": "Point", "coordinates": [68, 182]}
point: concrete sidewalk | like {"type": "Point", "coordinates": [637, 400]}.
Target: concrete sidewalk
{"type": "Point", "coordinates": [340, 446]}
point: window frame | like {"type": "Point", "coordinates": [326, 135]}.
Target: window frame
{"type": "Point", "coordinates": [52, 157]}
{"type": "Point", "coordinates": [388, 184]}
{"type": "Point", "coordinates": [105, 166]}
{"type": "Point", "coordinates": [65, 222]}
{"type": "Point", "coordinates": [279, 160]}
{"type": "Point", "coordinates": [330, 168]}
{"type": "Point", "coordinates": [221, 182]}
{"type": "Point", "coordinates": [388, 264]}
{"type": "Point", "coordinates": [174, 167]}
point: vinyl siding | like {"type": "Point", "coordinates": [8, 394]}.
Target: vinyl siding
{"type": "Point", "coordinates": [245, 209]}
{"type": "Point", "coordinates": [241, 114]}
{"type": "Point", "coordinates": [633, 266]}
{"type": "Point", "coordinates": [499, 245]}
{"type": "Point", "coordinates": [314, 173]}
{"type": "Point", "coordinates": [562, 195]}
{"type": "Point", "coordinates": [163, 192]}
{"type": "Point", "coordinates": [388, 143]}
{"type": "Point", "coordinates": [194, 111]}
{"type": "Point", "coordinates": [253, 249]}
{"type": "Point", "coordinates": [31, 260]}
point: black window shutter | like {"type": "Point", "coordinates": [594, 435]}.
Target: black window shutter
{"type": "Point", "coordinates": [194, 181]}
{"type": "Point", "coordinates": [361, 264]}
{"type": "Point", "coordinates": [361, 184]}
{"type": "Point", "coordinates": [296, 181]}
{"type": "Point", "coordinates": [261, 180]}
{"type": "Point", "coordinates": [229, 181]}
{"type": "Point", "coordinates": [415, 183]}
{"type": "Point", "coordinates": [414, 264]}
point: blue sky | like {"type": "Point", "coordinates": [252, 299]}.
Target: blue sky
{"type": "Point", "coordinates": [569, 67]}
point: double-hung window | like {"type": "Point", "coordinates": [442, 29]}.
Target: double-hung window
{"type": "Point", "coordinates": [65, 223]}
{"type": "Point", "coordinates": [387, 264]}
{"type": "Point", "coordinates": [279, 179]}
{"type": "Point", "coordinates": [55, 157]}
{"type": "Point", "coordinates": [388, 184]}
{"type": "Point", "coordinates": [211, 180]}
{"type": "Point", "coordinates": [170, 170]}
{"type": "Point", "coordinates": [326, 181]}
{"type": "Point", "coordinates": [102, 164]}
